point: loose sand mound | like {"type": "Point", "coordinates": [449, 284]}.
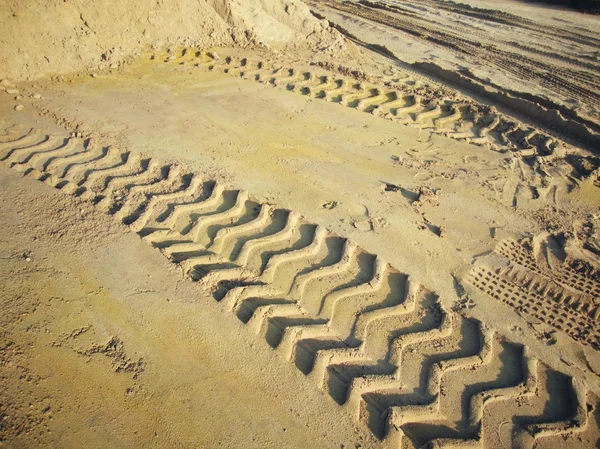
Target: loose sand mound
{"type": "Point", "coordinates": [57, 37]}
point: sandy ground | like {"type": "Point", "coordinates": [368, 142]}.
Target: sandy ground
{"type": "Point", "coordinates": [440, 285]}
{"type": "Point", "coordinates": [104, 343]}
{"type": "Point", "coordinates": [527, 58]}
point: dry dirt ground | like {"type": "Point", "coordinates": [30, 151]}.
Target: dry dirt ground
{"type": "Point", "coordinates": [252, 248]}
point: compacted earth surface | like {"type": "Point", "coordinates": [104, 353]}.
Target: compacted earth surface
{"type": "Point", "coordinates": [269, 224]}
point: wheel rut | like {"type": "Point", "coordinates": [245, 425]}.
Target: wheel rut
{"type": "Point", "coordinates": [371, 337]}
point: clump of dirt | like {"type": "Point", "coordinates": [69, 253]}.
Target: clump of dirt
{"type": "Point", "coordinates": [427, 195]}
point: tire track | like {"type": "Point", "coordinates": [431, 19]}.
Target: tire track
{"type": "Point", "coordinates": [549, 75]}
{"type": "Point", "coordinates": [573, 116]}
{"type": "Point", "coordinates": [473, 123]}
{"type": "Point", "coordinates": [559, 35]}
{"type": "Point", "coordinates": [564, 296]}
{"type": "Point", "coordinates": [372, 337]}
{"type": "Point", "coordinates": [574, 274]}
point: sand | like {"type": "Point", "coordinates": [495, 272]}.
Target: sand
{"type": "Point", "coordinates": [234, 244]}
{"type": "Point", "coordinates": [44, 39]}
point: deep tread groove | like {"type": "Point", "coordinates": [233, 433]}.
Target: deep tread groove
{"type": "Point", "coordinates": [341, 315]}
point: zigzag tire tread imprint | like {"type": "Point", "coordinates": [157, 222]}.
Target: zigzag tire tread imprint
{"type": "Point", "coordinates": [374, 339]}
{"type": "Point", "coordinates": [461, 120]}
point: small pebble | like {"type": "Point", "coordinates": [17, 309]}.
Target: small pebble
{"type": "Point", "coordinates": [19, 107]}
{"type": "Point", "coordinates": [12, 91]}
{"type": "Point", "coordinates": [37, 96]}
{"type": "Point", "coordinates": [7, 83]}
{"type": "Point", "coordinates": [19, 97]}
{"type": "Point", "coordinates": [94, 75]}
{"type": "Point", "coordinates": [114, 66]}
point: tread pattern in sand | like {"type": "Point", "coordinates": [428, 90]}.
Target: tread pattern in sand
{"type": "Point", "coordinates": [375, 339]}
{"type": "Point", "coordinates": [568, 74]}
{"type": "Point", "coordinates": [564, 297]}
{"type": "Point", "coordinates": [461, 120]}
